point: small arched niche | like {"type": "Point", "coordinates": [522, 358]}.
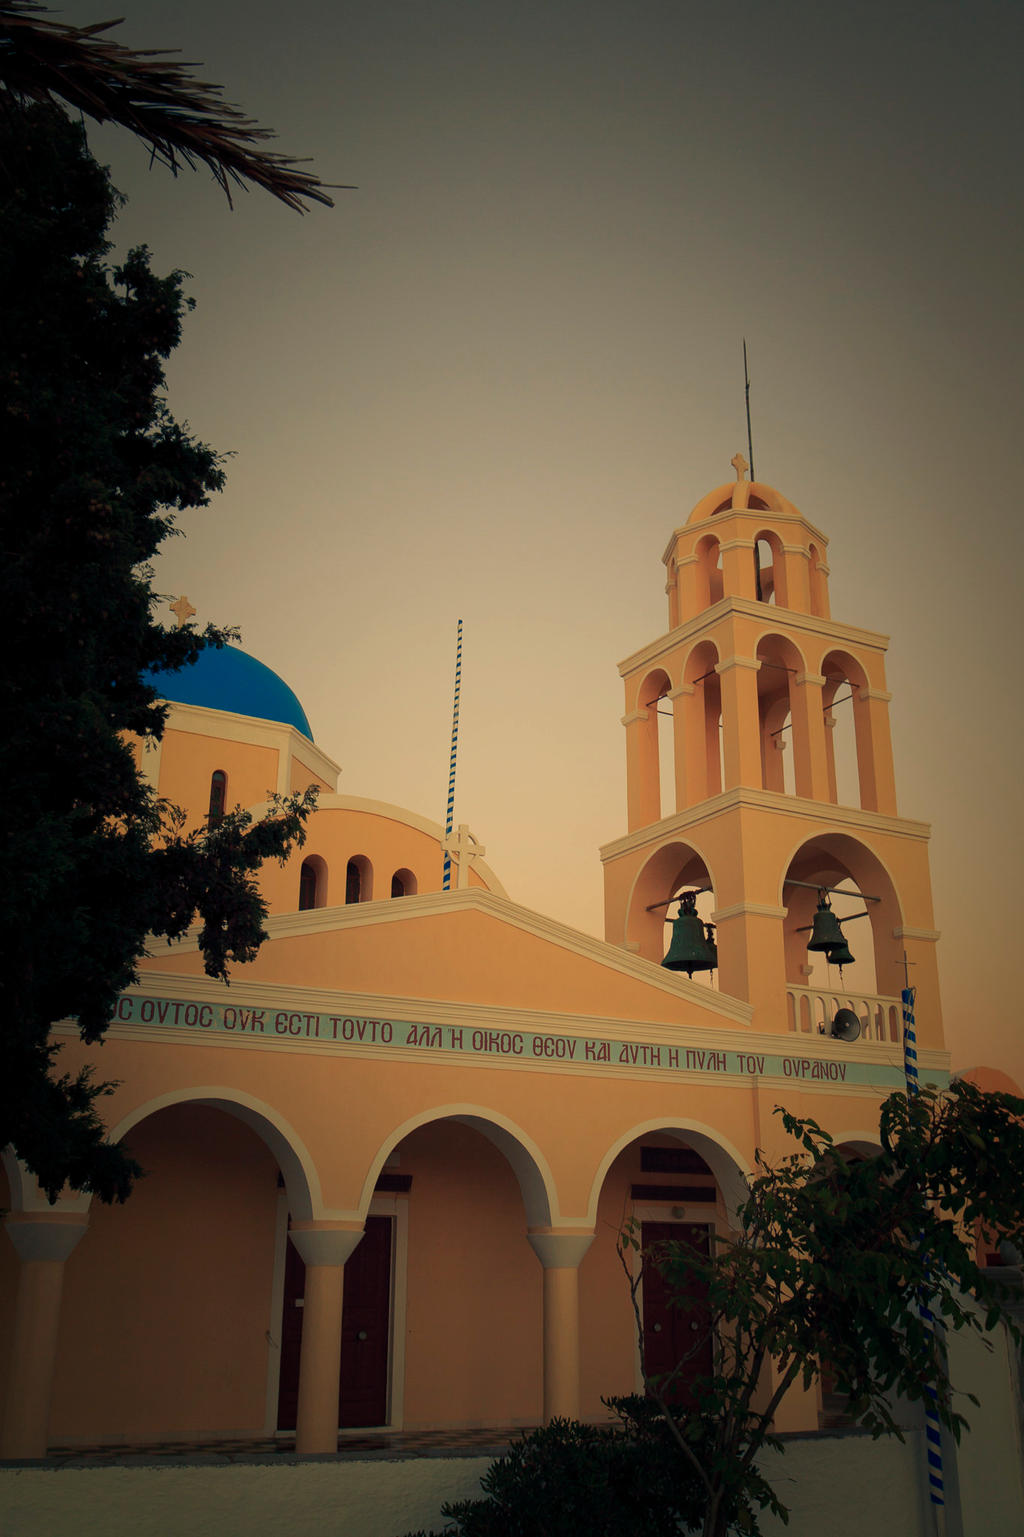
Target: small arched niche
{"type": "Point", "coordinates": [403, 883]}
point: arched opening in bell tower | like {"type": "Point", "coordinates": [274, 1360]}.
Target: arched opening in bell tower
{"type": "Point", "coordinates": [857, 883]}
{"type": "Point", "coordinates": [701, 702]}
{"type": "Point", "coordinates": [660, 738]}
{"type": "Point", "coordinates": [846, 746]}
{"type": "Point", "coordinates": [770, 569]}
{"type": "Point", "coordinates": [860, 750]}
{"type": "Point", "coordinates": [675, 867]}
{"type": "Point", "coordinates": [710, 581]}
{"type": "Point", "coordinates": [781, 664]}
{"type": "Point", "coordinates": [705, 904]}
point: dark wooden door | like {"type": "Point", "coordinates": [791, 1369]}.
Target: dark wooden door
{"type": "Point", "coordinates": [673, 1334]}
{"type": "Point", "coordinates": [365, 1329]}
{"type": "Point", "coordinates": [363, 1385]}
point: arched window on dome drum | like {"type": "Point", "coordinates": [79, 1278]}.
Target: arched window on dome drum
{"type": "Point", "coordinates": [218, 794]}
{"type": "Point", "coordinates": [359, 879]}
{"type": "Point", "coordinates": [403, 884]}
{"type": "Point", "coordinates": [307, 886]}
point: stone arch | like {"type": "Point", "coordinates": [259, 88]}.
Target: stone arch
{"type": "Point", "coordinates": [293, 1157]}
{"type": "Point", "coordinates": [528, 1163]}
{"type": "Point", "coordinates": [722, 1157]}
{"type": "Point", "coordinates": [673, 865]}
{"type": "Point", "coordinates": [828, 860]}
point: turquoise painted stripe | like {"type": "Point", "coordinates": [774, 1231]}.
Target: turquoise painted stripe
{"type": "Point", "coordinates": [298, 1028]}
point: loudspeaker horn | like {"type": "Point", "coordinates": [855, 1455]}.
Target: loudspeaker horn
{"type": "Point", "coordinates": [845, 1026]}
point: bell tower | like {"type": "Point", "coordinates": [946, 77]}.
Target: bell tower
{"type": "Point", "coordinates": [759, 769]}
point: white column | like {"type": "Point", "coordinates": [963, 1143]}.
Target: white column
{"type": "Point", "coordinates": [324, 1251]}
{"type": "Point", "coordinates": [561, 1255]}
{"type": "Point", "coordinates": [43, 1242]}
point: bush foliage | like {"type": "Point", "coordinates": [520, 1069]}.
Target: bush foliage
{"type": "Point", "coordinates": [573, 1480]}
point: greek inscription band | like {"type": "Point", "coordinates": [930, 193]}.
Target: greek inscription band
{"type": "Point", "coordinates": [295, 1028]}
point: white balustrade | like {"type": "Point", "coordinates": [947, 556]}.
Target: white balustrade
{"type": "Point", "coordinates": [811, 1010]}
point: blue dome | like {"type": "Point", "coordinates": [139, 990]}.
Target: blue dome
{"type": "Point", "coordinates": [231, 679]}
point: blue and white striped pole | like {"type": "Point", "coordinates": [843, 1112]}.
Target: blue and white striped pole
{"type": "Point", "coordinates": [449, 821]}
{"type": "Point", "coordinates": [932, 1423]}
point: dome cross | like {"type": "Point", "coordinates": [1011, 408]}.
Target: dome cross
{"type": "Point", "coordinates": [182, 610]}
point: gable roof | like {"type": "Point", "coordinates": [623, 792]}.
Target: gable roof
{"type": "Point", "coordinates": [468, 947]}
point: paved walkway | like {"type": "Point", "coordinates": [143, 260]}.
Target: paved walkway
{"type": "Point", "coordinates": [353, 1446]}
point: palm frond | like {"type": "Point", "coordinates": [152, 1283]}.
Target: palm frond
{"type": "Point", "coordinates": [184, 120]}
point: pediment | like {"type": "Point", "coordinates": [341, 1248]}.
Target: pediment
{"type": "Point", "coordinates": [468, 947]}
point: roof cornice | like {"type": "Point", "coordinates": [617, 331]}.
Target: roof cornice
{"type": "Point", "coordinates": [872, 640]}
{"type": "Point", "coordinates": [850, 818]}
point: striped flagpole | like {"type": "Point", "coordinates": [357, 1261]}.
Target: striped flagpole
{"type": "Point", "coordinates": [446, 883]}
{"type": "Point", "coordinates": [909, 1043]}
{"type": "Point", "coordinates": [932, 1423]}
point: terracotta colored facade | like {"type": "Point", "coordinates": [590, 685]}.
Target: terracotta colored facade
{"type": "Point", "coordinates": [502, 1090]}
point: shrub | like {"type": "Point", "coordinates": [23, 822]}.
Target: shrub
{"type": "Point", "coordinates": [573, 1480]}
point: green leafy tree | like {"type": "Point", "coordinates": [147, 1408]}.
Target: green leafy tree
{"type": "Point", "coordinates": [829, 1262]}
{"type": "Point", "coordinates": [92, 470]}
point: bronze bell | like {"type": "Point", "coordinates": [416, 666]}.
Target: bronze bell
{"type": "Point", "coordinates": [689, 950]}
{"type": "Point", "coordinates": [839, 955]}
{"type": "Point", "coordinates": [709, 931]}
{"type": "Point", "coordinates": [825, 931]}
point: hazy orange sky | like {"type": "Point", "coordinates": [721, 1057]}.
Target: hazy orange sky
{"type": "Point", "coordinates": [491, 381]}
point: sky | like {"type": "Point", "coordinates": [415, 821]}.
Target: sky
{"type": "Point", "coordinates": [490, 382]}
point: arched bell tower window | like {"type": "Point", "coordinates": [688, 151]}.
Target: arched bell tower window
{"type": "Point", "coordinates": [218, 794]}
{"type": "Point", "coordinates": [403, 884]}
{"type": "Point", "coordinates": [770, 576]}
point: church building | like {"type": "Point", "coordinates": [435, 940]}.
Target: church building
{"type": "Point", "coordinates": [387, 1166]}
